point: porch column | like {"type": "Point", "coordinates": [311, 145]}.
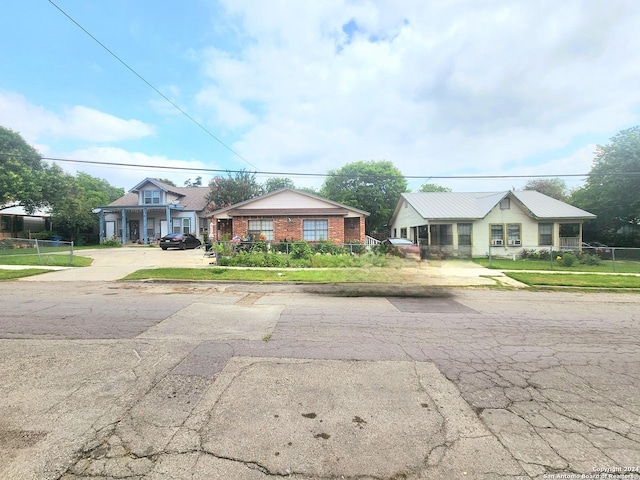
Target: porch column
{"type": "Point", "coordinates": [169, 229]}
{"type": "Point", "coordinates": [102, 226]}
{"type": "Point", "coordinates": [145, 238]}
{"type": "Point", "coordinates": [124, 226]}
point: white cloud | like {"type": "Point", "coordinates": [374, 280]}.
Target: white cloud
{"type": "Point", "coordinates": [138, 166]}
{"type": "Point", "coordinates": [78, 122]}
{"type": "Point", "coordinates": [435, 87]}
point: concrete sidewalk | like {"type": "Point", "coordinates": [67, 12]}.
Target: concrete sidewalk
{"type": "Point", "coordinates": [115, 264]}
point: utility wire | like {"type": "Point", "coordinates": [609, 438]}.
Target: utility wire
{"type": "Point", "coordinates": [293, 174]}
{"type": "Point", "coordinates": [208, 132]}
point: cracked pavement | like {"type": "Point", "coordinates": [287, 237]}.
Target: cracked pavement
{"type": "Point", "coordinates": [193, 381]}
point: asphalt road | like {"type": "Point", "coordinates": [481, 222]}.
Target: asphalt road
{"type": "Point", "coordinates": [172, 381]}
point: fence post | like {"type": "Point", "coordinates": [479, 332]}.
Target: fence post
{"type": "Point", "coordinates": [613, 258]}
{"type": "Point", "coordinates": [490, 257]}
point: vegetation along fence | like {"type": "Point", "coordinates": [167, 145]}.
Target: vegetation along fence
{"type": "Point", "coordinates": [11, 247]}
{"type": "Point", "coordinates": [614, 259]}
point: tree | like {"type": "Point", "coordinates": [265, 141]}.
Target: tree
{"type": "Point", "coordinates": [373, 186]}
{"type": "Point", "coordinates": [432, 187]}
{"type": "Point", "coordinates": [553, 187]}
{"type": "Point", "coordinates": [611, 190]}
{"type": "Point", "coordinates": [78, 196]}
{"type": "Point", "coordinates": [276, 183]}
{"type": "Point", "coordinates": [196, 183]}
{"type": "Point", "coordinates": [233, 189]}
{"type": "Point", "coordinates": [167, 181]}
{"type": "Point", "coordinates": [21, 172]}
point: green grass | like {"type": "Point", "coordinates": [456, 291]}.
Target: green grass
{"type": "Point", "coordinates": [576, 280]}
{"type": "Point", "coordinates": [27, 272]}
{"type": "Point", "coordinates": [338, 275]}
{"type": "Point", "coordinates": [56, 260]}
{"type": "Point", "coordinates": [606, 266]}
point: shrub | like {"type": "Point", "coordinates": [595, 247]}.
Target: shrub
{"type": "Point", "coordinates": [259, 246]}
{"type": "Point", "coordinates": [568, 259]}
{"type": "Point", "coordinates": [531, 254]}
{"type": "Point", "coordinates": [301, 250]}
{"type": "Point", "coordinates": [111, 242]}
{"type": "Point", "coordinates": [587, 259]}
{"type": "Point", "coordinates": [330, 248]}
{"type": "Point", "coordinates": [354, 246]}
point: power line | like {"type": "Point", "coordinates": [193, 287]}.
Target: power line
{"type": "Point", "coordinates": [152, 86]}
{"type": "Point", "coordinates": [324, 175]}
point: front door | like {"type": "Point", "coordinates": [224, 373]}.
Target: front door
{"type": "Point", "coordinates": [134, 230]}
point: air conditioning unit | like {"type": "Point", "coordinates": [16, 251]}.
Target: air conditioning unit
{"type": "Point", "coordinates": [497, 242]}
{"type": "Point", "coordinates": [514, 242]}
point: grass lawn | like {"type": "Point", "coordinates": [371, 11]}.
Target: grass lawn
{"type": "Point", "coordinates": [56, 260]}
{"type": "Point", "coordinates": [606, 266]}
{"type": "Point", "coordinates": [576, 280]}
{"type": "Point", "coordinates": [27, 272]}
{"type": "Point", "coordinates": [333, 275]}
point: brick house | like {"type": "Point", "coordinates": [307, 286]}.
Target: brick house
{"type": "Point", "coordinates": [289, 215]}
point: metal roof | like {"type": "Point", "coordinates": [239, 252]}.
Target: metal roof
{"type": "Point", "coordinates": [475, 205]}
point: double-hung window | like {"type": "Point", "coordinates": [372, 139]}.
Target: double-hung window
{"type": "Point", "coordinates": [315, 230]}
{"type": "Point", "coordinates": [264, 227]}
{"type": "Point", "coordinates": [151, 197]}
{"type": "Point", "coordinates": [545, 233]}
{"type": "Point", "coordinates": [464, 234]}
{"type": "Point", "coordinates": [497, 234]}
{"type": "Point", "coordinates": [513, 234]}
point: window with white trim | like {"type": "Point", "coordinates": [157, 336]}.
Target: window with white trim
{"type": "Point", "coordinates": [315, 230]}
{"type": "Point", "coordinates": [257, 227]}
{"type": "Point", "coordinates": [151, 197]}
{"type": "Point", "coordinates": [181, 225]}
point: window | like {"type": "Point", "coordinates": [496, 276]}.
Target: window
{"type": "Point", "coordinates": [151, 197]}
{"type": "Point", "coordinates": [256, 227]}
{"type": "Point", "coordinates": [441, 234]}
{"type": "Point", "coordinates": [464, 234]}
{"type": "Point", "coordinates": [513, 234]}
{"type": "Point", "coordinates": [497, 234]}
{"type": "Point", "coordinates": [505, 204]}
{"type": "Point", "coordinates": [545, 233]}
{"type": "Point", "coordinates": [314, 230]}
{"type": "Point", "coordinates": [403, 233]}
{"type": "Point", "coordinates": [182, 225]}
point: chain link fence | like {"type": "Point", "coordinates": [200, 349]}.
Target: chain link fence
{"type": "Point", "coordinates": [11, 247]}
{"type": "Point", "coordinates": [614, 259]}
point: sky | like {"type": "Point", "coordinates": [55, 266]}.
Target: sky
{"type": "Point", "coordinates": [289, 88]}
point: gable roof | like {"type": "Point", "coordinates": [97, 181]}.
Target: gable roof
{"type": "Point", "coordinates": [330, 208]}
{"type": "Point", "coordinates": [476, 205]}
{"type": "Point", "coordinates": [191, 198]}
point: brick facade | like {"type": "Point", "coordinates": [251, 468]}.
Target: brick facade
{"type": "Point", "coordinates": [341, 230]}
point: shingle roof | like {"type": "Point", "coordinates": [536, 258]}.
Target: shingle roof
{"type": "Point", "coordinates": [191, 198]}
{"type": "Point", "coordinates": [474, 205]}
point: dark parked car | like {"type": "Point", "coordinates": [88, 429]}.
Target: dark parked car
{"type": "Point", "coordinates": [179, 240]}
{"type": "Point", "coordinates": [402, 247]}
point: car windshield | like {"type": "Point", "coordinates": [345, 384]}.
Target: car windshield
{"type": "Point", "coordinates": [173, 235]}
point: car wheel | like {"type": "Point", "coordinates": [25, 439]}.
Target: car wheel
{"type": "Point", "coordinates": [183, 246]}
{"type": "Point", "coordinates": [164, 248]}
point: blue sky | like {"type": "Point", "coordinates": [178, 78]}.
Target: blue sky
{"type": "Point", "coordinates": [440, 88]}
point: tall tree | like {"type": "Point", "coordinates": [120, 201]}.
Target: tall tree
{"type": "Point", "coordinates": [611, 190]}
{"type": "Point", "coordinates": [167, 181]}
{"type": "Point", "coordinates": [432, 187]}
{"type": "Point", "coordinates": [78, 196]}
{"type": "Point", "coordinates": [233, 189]}
{"type": "Point", "coordinates": [373, 186]}
{"type": "Point", "coordinates": [552, 187]}
{"type": "Point", "coordinates": [21, 172]}
{"type": "Point", "coordinates": [276, 183]}
{"type": "Point", "coordinates": [195, 183]}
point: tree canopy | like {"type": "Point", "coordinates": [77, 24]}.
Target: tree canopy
{"type": "Point", "coordinates": [276, 183]}
{"type": "Point", "coordinates": [611, 190]}
{"type": "Point", "coordinates": [373, 186]}
{"type": "Point", "coordinates": [21, 172]}
{"type": "Point", "coordinates": [552, 187]}
{"type": "Point", "coordinates": [225, 191]}
{"type": "Point", "coordinates": [432, 187]}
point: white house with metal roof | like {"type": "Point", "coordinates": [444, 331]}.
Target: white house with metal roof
{"type": "Point", "coordinates": [473, 224]}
